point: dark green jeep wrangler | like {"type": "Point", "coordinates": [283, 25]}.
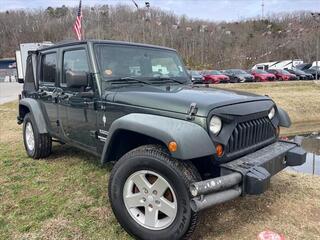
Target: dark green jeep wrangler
{"type": "Point", "coordinates": [178, 148]}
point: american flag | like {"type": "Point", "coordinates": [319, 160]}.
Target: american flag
{"type": "Point", "coordinates": [77, 26]}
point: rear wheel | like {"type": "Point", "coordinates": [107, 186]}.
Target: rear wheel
{"type": "Point", "coordinates": [149, 194]}
{"type": "Point", "coordinates": [37, 145]}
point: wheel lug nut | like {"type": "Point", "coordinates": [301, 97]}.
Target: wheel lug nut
{"type": "Point", "coordinates": [154, 192]}
{"type": "Point", "coordinates": [145, 190]}
{"type": "Point", "coordinates": [143, 199]}
{"type": "Point", "coordinates": [150, 207]}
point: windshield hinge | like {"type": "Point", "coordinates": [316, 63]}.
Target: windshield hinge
{"type": "Point", "coordinates": [193, 109]}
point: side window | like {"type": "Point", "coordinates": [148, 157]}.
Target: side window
{"type": "Point", "coordinates": [74, 60]}
{"type": "Point", "coordinates": [48, 68]}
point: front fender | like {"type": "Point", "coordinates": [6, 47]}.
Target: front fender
{"type": "Point", "coordinates": [35, 109]}
{"type": "Point", "coordinates": [192, 140]}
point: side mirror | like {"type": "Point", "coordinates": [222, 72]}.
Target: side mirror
{"type": "Point", "coordinates": [76, 79]}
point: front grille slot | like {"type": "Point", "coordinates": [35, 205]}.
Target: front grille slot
{"type": "Point", "coordinates": [250, 133]}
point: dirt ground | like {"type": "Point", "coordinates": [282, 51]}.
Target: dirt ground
{"type": "Point", "coordinates": [64, 197]}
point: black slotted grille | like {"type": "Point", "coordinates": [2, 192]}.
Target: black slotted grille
{"type": "Point", "coordinates": [250, 133]}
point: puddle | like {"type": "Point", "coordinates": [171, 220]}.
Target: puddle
{"type": "Point", "coordinates": [312, 165]}
{"type": "Point", "coordinates": [312, 145]}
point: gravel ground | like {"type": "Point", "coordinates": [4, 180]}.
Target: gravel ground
{"type": "Point", "coordinates": [9, 91]}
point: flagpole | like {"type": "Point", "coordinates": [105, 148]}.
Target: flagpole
{"type": "Point", "coordinates": [77, 26]}
{"type": "Point", "coordinates": [82, 27]}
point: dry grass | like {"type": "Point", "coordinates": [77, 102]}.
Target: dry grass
{"type": "Point", "coordinates": [64, 197]}
{"type": "Point", "coordinates": [300, 99]}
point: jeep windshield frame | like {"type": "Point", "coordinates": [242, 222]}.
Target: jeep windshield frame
{"type": "Point", "coordinates": [149, 65]}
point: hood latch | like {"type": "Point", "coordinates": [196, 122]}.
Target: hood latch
{"type": "Point", "coordinates": [193, 109]}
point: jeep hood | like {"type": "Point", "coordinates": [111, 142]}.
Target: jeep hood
{"type": "Point", "coordinates": [178, 98]}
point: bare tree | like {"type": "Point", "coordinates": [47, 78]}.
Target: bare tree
{"type": "Point", "coordinates": [202, 44]}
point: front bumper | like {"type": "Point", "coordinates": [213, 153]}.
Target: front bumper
{"type": "Point", "coordinates": [249, 174]}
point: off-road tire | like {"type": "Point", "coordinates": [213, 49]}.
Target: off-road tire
{"type": "Point", "coordinates": [178, 173]}
{"type": "Point", "coordinates": [42, 142]}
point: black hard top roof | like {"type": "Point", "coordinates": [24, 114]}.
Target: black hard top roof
{"type": "Point", "coordinates": [73, 43]}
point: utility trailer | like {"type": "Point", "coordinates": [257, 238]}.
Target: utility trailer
{"type": "Point", "coordinates": [289, 64]}
{"type": "Point", "coordinates": [22, 54]}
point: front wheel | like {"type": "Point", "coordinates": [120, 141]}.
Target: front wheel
{"type": "Point", "coordinates": [149, 194]}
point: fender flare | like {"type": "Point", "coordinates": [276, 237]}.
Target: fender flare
{"type": "Point", "coordinates": [35, 109]}
{"type": "Point", "coordinates": [284, 119]}
{"type": "Point", "coordinates": [192, 140]}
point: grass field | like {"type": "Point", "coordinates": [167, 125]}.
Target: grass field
{"type": "Point", "coordinates": [64, 197]}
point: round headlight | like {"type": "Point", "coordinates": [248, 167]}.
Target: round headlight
{"type": "Point", "coordinates": [271, 113]}
{"type": "Point", "coordinates": [215, 125]}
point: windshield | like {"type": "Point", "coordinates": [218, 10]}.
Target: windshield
{"type": "Point", "coordinates": [237, 71]}
{"type": "Point", "coordinates": [260, 71]}
{"type": "Point", "coordinates": [298, 71]}
{"type": "Point", "coordinates": [283, 71]}
{"type": "Point", "coordinates": [213, 72]}
{"type": "Point", "coordinates": [118, 62]}
{"type": "Point", "coordinates": [195, 74]}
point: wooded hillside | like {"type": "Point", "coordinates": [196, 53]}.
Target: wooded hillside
{"type": "Point", "coordinates": [202, 44]}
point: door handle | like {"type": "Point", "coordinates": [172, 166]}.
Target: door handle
{"type": "Point", "coordinates": [86, 102]}
{"type": "Point", "coordinates": [63, 96]}
{"type": "Point", "coordinates": [42, 94]}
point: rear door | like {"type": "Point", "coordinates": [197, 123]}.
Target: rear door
{"type": "Point", "coordinates": [77, 114]}
{"type": "Point", "coordinates": [48, 76]}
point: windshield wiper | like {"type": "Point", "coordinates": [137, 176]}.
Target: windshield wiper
{"type": "Point", "coordinates": [165, 78]}
{"type": "Point", "coordinates": [127, 80]}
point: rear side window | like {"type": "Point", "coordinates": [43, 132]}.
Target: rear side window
{"type": "Point", "coordinates": [48, 68]}
{"type": "Point", "coordinates": [74, 60]}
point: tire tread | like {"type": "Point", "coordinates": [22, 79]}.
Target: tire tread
{"type": "Point", "coordinates": [43, 147]}
{"type": "Point", "coordinates": [186, 169]}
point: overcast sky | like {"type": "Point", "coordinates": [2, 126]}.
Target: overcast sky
{"type": "Point", "coordinates": [217, 10]}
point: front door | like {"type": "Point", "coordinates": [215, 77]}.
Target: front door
{"type": "Point", "coordinates": [77, 114]}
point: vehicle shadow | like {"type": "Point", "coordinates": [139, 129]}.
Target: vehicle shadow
{"type": "Point", "coordinates": [64, 152]}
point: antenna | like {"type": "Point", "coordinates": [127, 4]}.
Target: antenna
{"type": "Point", "coordinates": [262, 9]}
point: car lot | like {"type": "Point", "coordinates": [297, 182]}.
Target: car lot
{"type": "Point", "coordinates": [253, 75]}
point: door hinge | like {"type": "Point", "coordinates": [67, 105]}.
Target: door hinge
{"type": "Point", "coordinates": [94, 134]}
{"type": "Point", "coordinates": [58, 123]}
{"type": "Point", "coordinates": [193, 109]}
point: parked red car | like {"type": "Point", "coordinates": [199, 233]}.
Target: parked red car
{"type": "Point", "coordinates": [214, 76]}
{"type": "Point", "coordinates": [282, 75]}
{"type": "Point", "coordinates": [262, 76]}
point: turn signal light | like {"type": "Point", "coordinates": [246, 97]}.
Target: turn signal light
{"type": "Point", "coordinates": [172, 146]}
{"type": "Point", "coordinates": [219, 150]}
